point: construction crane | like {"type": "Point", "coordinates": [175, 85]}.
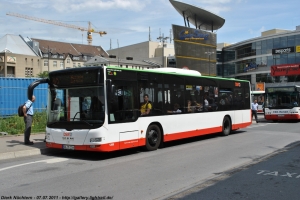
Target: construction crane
{"type": "Point", "coordinates": [89, 30]}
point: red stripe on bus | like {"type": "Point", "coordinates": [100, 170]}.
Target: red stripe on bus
{"type": "Point", "coordinates": [242, 125]}
{"type": "Point", "coordinates": [142, 141]}
{"type": "Point", "coordinates": [182, 135]}
{"type": "Point", "coordinates": [285, 117]}
{"type": "Point", "coordinates": [101, 148]}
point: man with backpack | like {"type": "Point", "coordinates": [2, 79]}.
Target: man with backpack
{"type": "Point", "coordinates": [28, 117]}
{"type": "Point", "coordinates": [146, 107]}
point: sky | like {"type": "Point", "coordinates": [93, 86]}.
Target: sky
{"type": "Point", "coordinates": [127, 22]}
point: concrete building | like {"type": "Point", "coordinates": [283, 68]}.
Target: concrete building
{"type": "Point", "coordinates": [149, 52]}
{"type": "Point", "coordinates": [26, 57]}
{"type": "Point", "coordinates": [17, 59]}
{"type": "Point", "coordinates": [126, 63]}
{"type": "Point", "coordinates": [60, 55]}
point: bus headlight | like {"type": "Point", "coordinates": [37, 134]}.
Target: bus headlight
{"type": "Point", "coordinates": [95, 139]}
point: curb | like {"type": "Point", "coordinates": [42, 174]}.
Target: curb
{"type": "Point", "coordinates": [3, 135]}
{"type": "Point", "coordinates": [25, 153]}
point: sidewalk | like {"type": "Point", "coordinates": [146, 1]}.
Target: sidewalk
{"type": "Point", "coordinates": [13, 146]}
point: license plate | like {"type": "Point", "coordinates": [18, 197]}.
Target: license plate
{"type": "Point", "coordinates": [69, 147]}
{"type": "Point", "coordinates": [280, 115]}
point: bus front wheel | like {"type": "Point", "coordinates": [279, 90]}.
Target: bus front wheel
{"type": "Point", "coordinates": [153, 137]}
{"type": "Point", "coordinates": [226, 126]}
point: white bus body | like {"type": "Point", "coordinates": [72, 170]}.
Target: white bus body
{"type": "Point", "coordinates": [282, 103]}
{"type": "Point", "coordinates": [119, 124]}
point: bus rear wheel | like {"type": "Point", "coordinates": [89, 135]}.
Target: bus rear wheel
{"type": "Point", "coordinates": [226, 126]}
{"type": "Point", "coordinates": [153, 137]}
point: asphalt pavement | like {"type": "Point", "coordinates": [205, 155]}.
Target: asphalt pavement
{"type": "Point", "coordinates": [275, 177]}
{"type": "Point", "coordinates": [12, 146]}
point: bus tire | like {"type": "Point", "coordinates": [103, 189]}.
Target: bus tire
{"type": "Point", "coordinates": [153, 138]}
{"type": "Point", "coordinates": [226, 126]}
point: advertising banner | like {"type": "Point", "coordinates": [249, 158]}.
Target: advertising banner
{"type": "Point", "coordinates": [283, 50]}
{"type": "Point", "coordinates": [285, 70]}
{"type": "Point", "coordinates": [260, 86]}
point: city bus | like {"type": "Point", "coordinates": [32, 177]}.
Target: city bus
{"type": "Point", "coordinates": [282, 103]}
{"type": "Point", "coordinates": [118, 124]}
{"type": "Point", "coordinates": [260, 97]}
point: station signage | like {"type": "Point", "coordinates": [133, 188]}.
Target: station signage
{"type": "Point", "coordinates": [260, 86]}
{"type": "Point", "coordinates": [285, 70]}
{"type": "Point", "coordinates": [192, 35]}
{"type": "Point", "coordinates": [283, 50]}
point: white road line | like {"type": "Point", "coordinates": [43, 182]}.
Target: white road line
{"type": "Point", "coordinates": [259, 125]}
{"type": "Point", "coordinates": [48, 161]}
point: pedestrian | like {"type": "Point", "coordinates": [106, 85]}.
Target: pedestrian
{"type": "Point", "coordinates": [254, 107]}
{"type": "Point", "coordinates": [28, 117]}
{"type": "Point", "coordinates": [146, 106]}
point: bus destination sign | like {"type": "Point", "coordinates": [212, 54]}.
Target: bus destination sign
{"type": "Point", "coordinates": [74, 78]}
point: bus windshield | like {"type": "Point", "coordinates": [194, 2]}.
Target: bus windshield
{"type": "Point", "coordinates": [79, 106]}
{"type": "Point", "coordinates": [282, 100]}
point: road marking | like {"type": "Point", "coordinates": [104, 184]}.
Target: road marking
{"type": "Point", "coordinates": [276, 173]}
{"type": "Point", "coordinates": [48, 161]}
{"type": "Point", "coordinates": [259, 125]}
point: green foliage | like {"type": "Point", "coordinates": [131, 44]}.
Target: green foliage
{"type": "Point", "coordinates": [15, 125]}
{"type": "Point", "coordinates": [43, 74]}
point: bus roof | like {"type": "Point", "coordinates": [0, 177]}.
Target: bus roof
{"type": "Point", "coordinates": [177, 71]}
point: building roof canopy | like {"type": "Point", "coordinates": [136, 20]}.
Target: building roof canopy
{"type": "Point", "coordinates": [198, 16]}
{"type": "Point", "coordinates": [69, 48]}
{"type": "Point", "coordinates": [15, 44]}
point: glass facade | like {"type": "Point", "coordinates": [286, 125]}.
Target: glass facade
{"type": "Point", "coordinates": [253, 60]}
{"type": "Point", "coordinates": [195, 49]}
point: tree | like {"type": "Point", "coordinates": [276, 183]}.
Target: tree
{"type": "Point", "coordinates": [43, 74]}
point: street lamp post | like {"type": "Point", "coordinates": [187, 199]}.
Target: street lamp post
{"type": "Point", "coordinates": [209, 54]}
{"type": "Point", "coordinates": [163, 39]}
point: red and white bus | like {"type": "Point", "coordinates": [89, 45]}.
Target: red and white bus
{"type": "Point", "coordinates": [260, 97]}
{"type": "Point", "coordinates": [218, 105]}
{"type": "Point", "coordinates": [282, 103]}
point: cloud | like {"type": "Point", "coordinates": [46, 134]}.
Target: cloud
{"type": "Point", "coordinates": [213, 1]}
{"type": "Point", "coordinates": [262, 29]}
{"type": "Point", "coordinates": [30, 3]}
{"type": "Point", "coordinates": [92, 5]}
{"type": "Point", "coordinates": [217, 9]}
{"type": "Point", "coordinates": [215, 6]}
